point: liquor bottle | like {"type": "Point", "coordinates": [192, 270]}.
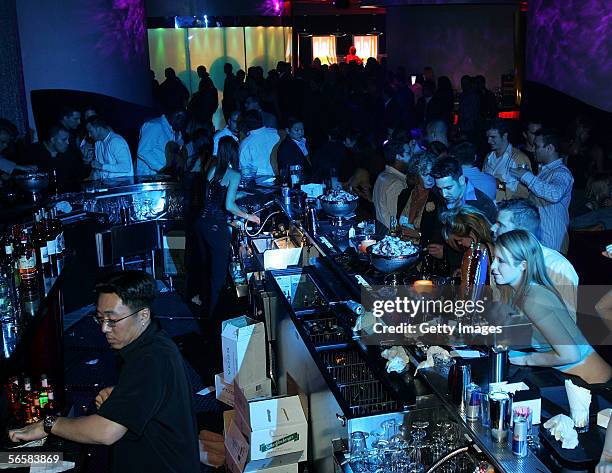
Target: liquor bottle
{"type": "Point", "coordinates": [7, 312]}
{"type": "Point", "coordinates": [43, 393]}
{"type": "Point", "coordinates": [27, 262]}
{"type": "Point", "coordinates": [35, 407]}
{"type": "Point", "coordinates": [51, 406]}
{"type": "Point", "coordinates": [24, 398]}
{"type": "Point", "coordinates": [39, 240]}
{"type": "Point", "coordinates": [51, 245]}
{"type": "Point", "coordinates": [58, 231]}
{"type": "Point", "coordinates": [12, 391]}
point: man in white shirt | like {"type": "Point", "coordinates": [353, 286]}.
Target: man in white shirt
{"type": "Point", "coordinates": [391, 182]}
{"type": "Point", "coordinates": [521, 214]}
{"type": "Point", "coordinates": [502, 159]}
{"type": "Point", "coordinates": [257, 148]}
{"type": "Point", "coordinates": [550, 190]}
{"type": "Point", "coordinates": [112, 157]}
{"type": "Point", "coordinates": [154, 136]}
{"type": "Point", "coordinates": [231, 130]}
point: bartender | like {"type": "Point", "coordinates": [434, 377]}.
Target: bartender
{"type": "Point", "coordinates": [148, 417]}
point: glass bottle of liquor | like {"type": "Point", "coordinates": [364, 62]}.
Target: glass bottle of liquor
{"type": "Point", "coordinates": [51, 244]}
{"type": "Point", "coordinates": [39, 240]}
{"type": "Point", "coordinates": [51, 406]}
{"type": "Point", "coordinates": [27, 262]}
{"type": "Point", "coordinates": [44, 393]}
{"type": "Point", "coordinates": [58, 231]}
{"type": "Point", "coordinates": [24, 399]}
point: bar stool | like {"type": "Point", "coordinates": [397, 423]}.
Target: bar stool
{"type": "Point", "coordinates": [136, 239]}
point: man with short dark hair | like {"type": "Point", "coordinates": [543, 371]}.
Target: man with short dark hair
{"type": "Point", "coordinates": [148, 417]}
{"type": "Point", "coordinates": [392, 181]}
{"type": "Point", "coordinates": [112, 157]}
{"type": "Point", "coordinates": [503, 158]}
{"type": "Point", "coordinates": [465, 153]}
{"type": "Point", "coordinates": [70, 119]}
{"type": "Point", "coordinates": [231, 130]}
{"type": "Point", "coordinates": [550, 190]}
{"type": "Point", "coordinates": [54, 155]}
{"type": "Point", "coordinates": [532, 126]}
{"type": "Point", "coordinates": [521, 214]}
{"type": "Point", "coordinates": [456, 191]}
{"type": "Point", "coordinates": [257, 148]}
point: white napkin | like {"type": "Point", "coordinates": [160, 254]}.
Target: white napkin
{"type": "Point", "coordinates": [429, 362]}
{"type": "Point", "coordinates": [398, 359]}
{"type": "Point", "coordinates": [364, 322]}
{"type": "Point", "coordinates": [579, 401]}
{"type": "Point", "coordinates": [63, 207]}
{"type": "Point", "coordinates": [562, 428]}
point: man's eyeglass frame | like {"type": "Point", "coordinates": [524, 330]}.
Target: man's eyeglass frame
{"type": "Point", "coordinates": [112, 323]}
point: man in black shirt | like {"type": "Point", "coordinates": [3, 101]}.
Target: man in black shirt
{"type": "Point", "coordinates": [55, 156]}
{"type": "Point", "coordinates": [148, 417]}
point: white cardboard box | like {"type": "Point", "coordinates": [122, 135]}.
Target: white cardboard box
{"type": "Point", "coordinates": [237, 456]}
{"type": "Point", "coordinates": [225, 391]}
{"type": "Point", "coordinates": [244, 350]}
{"type": "Point", "coordinates": [275, 426]}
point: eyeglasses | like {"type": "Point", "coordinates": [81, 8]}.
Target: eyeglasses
{"type": "Point", "coordinates": [112, 323]}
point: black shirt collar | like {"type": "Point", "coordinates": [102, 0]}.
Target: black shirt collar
{"type": "Point", "coordinates": [145, 338]}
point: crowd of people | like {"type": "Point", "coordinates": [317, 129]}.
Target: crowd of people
{"type": "Point", "coordinates": [415, 152]}
{"type": "Point", "coordinates": [435, 164]}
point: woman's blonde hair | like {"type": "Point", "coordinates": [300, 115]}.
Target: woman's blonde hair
{"type": "Point", "coordinates": [466, 221]}
{"type": "Point", "coordinates": [523, 246]}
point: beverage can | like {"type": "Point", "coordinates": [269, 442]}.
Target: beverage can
{"type": "Point", "coordinates": [519, 437]}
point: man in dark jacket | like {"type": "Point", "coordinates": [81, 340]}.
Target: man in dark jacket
{"type": "Point", "coordinates": [455, 191]}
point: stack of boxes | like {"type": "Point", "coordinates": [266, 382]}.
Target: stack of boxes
{"type": "Point", "coordinates": [244, 360]}
{"type": "Point", "coordinates": [262, 433]}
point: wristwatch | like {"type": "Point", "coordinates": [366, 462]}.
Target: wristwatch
{"type": "Point", "coordinates": [48, 423]}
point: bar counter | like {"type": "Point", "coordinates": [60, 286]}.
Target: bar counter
{"type": "Point", "coordinates": [318, 293]}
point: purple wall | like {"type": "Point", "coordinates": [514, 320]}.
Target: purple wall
{"type": "Point", "coordinates": [569, 48]}
{"type": "Point", "coordinates": [454, 39]}
{"type": "Point", "coordinates": [95, 46]}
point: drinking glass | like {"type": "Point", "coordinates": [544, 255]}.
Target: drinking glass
{"type": "Point", "coordinates": [358, 449]}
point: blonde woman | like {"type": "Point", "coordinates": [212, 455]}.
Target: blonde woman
{"type": "Point", "coordinates": [519, 264]}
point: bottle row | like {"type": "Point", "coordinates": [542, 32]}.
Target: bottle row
{"type": "Point", "coordinates": [29, 404]}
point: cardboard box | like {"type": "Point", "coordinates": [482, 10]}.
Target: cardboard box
{"type": "Point", "coordinates": [238, 461]}
{"type": "Point", "coordinates": [225, 391]}
{"type": "Point", "coordinates": [244, 350]}
{"type": "Point", "coordinates": [274, 426]}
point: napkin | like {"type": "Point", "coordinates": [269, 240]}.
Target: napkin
{"type": "Point", "coordinates": [579, 401]}
{"type": "Point", "coordinates": [313, 190]}
{"type": "Point", "coordinates": [63, 207]}
{"type": "Point", "coordinates": [562, 428]}
{"type": "Point", "coordinates": [398, 359]}
{"type": "Point", "coordinates": [429, 362]}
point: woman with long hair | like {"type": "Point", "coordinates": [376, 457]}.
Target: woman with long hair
{"type": "Point", "coordinates": [468, 231]}
{"type": "Point", "coordinates": [211, 227]}
{"type": "Point", "coordinates": [519, 265]}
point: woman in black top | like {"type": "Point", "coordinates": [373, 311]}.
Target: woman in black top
{"type": "Point", "coordinates": [211, 227]}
